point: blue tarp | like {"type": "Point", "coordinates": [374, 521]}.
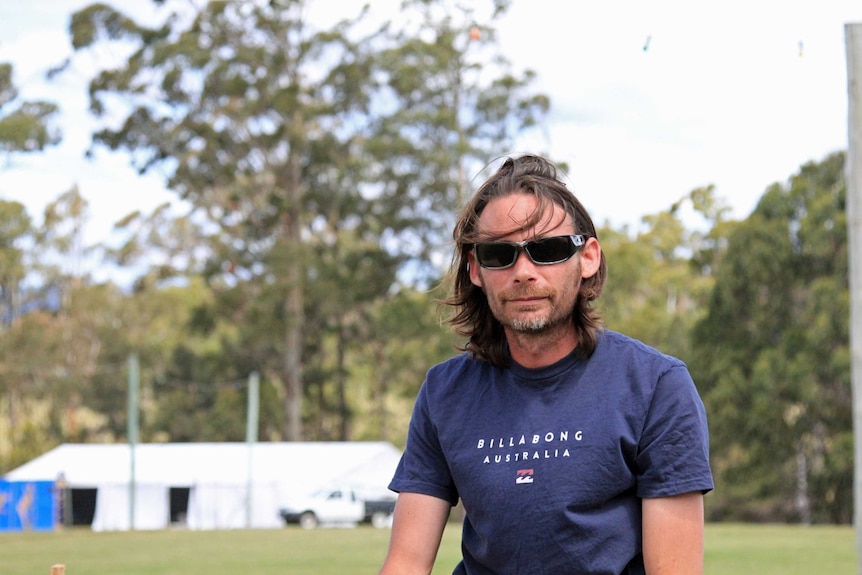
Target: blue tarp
{"type": "Point", "coordinates": [27, 505]}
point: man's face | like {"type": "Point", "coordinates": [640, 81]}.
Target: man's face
{"type": "Point", "coordinates": [528, 298]}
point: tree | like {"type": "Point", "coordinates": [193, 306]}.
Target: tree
{"type": "Point", "coordinates": [659, 280]}
{"type": "Point", "coordinates": [70, 318]}
{"type": "Point", "coordinates": [14, 227]}
{"type": "Point", "coordinates": [352, 275]}
{"type": "Point", "coordinates": [773, 359]}
{"type": "Point", "coordinates": [161, 246]}
{"type": "Point", "coordinates": [249, 109]}
{"type": "Point", "coordinates": [24, 126]}
{"type": "Point", "coordinates": [404, 337]}
{"type": "Point", "coordinates": [454, 105]}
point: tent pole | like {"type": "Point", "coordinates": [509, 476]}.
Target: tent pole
{"type": "Point", "coordinates": [251, 436]}
{"type": "Point", "coordinates": [132, 432]}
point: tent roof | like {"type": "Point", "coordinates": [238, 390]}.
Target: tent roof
{"type": "Point", "coordinates": [368, 464]}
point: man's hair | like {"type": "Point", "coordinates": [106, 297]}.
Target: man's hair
{"type": "Point", "coordinates": [471, 316]}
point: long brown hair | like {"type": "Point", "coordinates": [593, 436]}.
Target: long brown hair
{"type": "Point", "coordinates": [471, 316]}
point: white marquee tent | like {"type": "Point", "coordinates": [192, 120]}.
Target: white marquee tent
{"type": "Point", "coordinates": [219, 477]}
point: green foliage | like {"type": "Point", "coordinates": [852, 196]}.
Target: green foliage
{"type": "Point", "coordinates": [456, 104]}
{"type": "Point", "coordinates": [14, 227]}
{"type": "Point", "coordinates": [101, 22]}
{"type": "Point", "coordinates": [253, 112]}
{"type": "Point", "coordinates": [773, 358]}
{"type": "Point", "coordinates": [404, 338]}
{"type": "Point", "coordinates": [26, 129]}
{"type": "Point", "coordinates": [26, 126]}
{"type": "Point", "coordinates": [659, 280]}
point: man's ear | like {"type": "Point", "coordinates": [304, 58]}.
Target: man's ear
{"type": "Point", "coordinates": [591, 258]}
{"type": "Point", "coordinates": [473, 268]}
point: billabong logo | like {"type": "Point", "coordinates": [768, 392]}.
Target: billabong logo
{"type": "Point", "coordinates": [524, 476]}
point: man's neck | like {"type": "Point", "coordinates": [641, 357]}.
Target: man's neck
{"type": "Point", "coordinates": [541, 349]}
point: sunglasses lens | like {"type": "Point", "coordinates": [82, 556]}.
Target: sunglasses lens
{"type": "Point", "coordinates": [551, 250]}
{"type": "Point", "coordinates": [496, 255]}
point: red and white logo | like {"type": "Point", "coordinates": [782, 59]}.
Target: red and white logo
{"type": "Point", "coordinates": [524, 476]}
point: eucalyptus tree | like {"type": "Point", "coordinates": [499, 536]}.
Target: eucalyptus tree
{"type": "Point", "coordinates": [405, 336]}
{"type": "Point", "coordinates": [453, 103]}
{"type": "Point", "coordinates": [251, 112]}
{"type": "Point", "coordinates": [53, 342]}
{"type": "Point", "coordinates": [50, 351]}
{"type": "Point", "coordinates": [361, 274]}
{"type": "Point", "coordinates": [660, 277]}
{"type": "Point", "coordinates": [15, 226]}
{"type": "Point", "coordinates": [25, 126]}
{"type": "Point", "coordinates": [53, 358]}
{"type": "Point", "coordinates": [773, 360]}
{"type": "Point", "coordinates": [59, 241]}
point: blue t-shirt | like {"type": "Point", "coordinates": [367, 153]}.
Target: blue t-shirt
{"type": "Point", "coordinates": [551, 464]}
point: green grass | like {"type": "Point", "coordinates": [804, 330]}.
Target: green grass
{"type": "Point", "coordinates": [780, 550]}
{"type": "Point", "coordinates": [730, 550]}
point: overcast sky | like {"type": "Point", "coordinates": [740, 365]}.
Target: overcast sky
{"type": "Point", "coordinates": [650, 99]}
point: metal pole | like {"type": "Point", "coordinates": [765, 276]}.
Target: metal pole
{"type": "Point", "coordinates": [251, 437]}
{"type": "Point", "coordinates": [132, 431]}
{"type": "Point", "coordinates": [853, 171]}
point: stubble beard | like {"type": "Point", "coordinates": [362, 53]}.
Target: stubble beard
{"type": "Point", "coordinates": [531, 325]}
{"type": "Point", "coordinates": [559, 315]}
{"type": "Point", "coordinates": [539, 324]}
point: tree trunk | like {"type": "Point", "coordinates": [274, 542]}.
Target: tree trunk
{"type": "Point", "coordinates": [382, 390]}
{"type": "Point", "coordinates": [341, 379]}
{"type": "Point", "coordinates": [802, 500]}
{"type": "Point", "coordinates": [293, 302]}
{"type": "Point", "coordinates": [292, 375]}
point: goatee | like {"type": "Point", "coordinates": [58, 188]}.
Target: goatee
{"type": "Point", "coordinates": [533, 325]}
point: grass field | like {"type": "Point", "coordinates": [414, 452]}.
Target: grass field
{"type": "Point", "coordinates": [730, 550]}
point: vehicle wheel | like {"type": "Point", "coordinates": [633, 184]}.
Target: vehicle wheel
{"type": "Point", "coordinates": [308, 520]}
{"type": "Point", "coordinates": [380, 519]}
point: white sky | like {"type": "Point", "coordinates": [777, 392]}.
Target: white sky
{"type": "Point", "coordinates": [650, 99]}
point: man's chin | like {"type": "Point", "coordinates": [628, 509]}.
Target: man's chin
{"type": "Point", "coordinates": [529, 325]}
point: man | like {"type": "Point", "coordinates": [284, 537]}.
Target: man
{"type": "Point", "coordinates": [574, 449]}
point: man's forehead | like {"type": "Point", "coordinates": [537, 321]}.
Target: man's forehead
{"type": "Point", "coordinates": [515, 212]}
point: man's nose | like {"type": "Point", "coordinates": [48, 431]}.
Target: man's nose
{"type": "Point", "coordinates": [523, 268]}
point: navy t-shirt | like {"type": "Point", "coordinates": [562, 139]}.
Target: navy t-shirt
{"type": "Point", "coordinates": [551, 463]}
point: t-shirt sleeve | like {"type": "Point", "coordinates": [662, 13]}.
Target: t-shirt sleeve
{"type": "Point", "coordinates": [673, 453]}
{"type": "Point", "coordinates": [423, 467]}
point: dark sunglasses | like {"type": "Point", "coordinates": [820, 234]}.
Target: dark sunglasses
{"type": "Point", "coordinates": [543, 252]}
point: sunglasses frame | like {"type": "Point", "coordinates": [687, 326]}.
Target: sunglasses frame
{"type": "Point", "coordinates": [577, 241]}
